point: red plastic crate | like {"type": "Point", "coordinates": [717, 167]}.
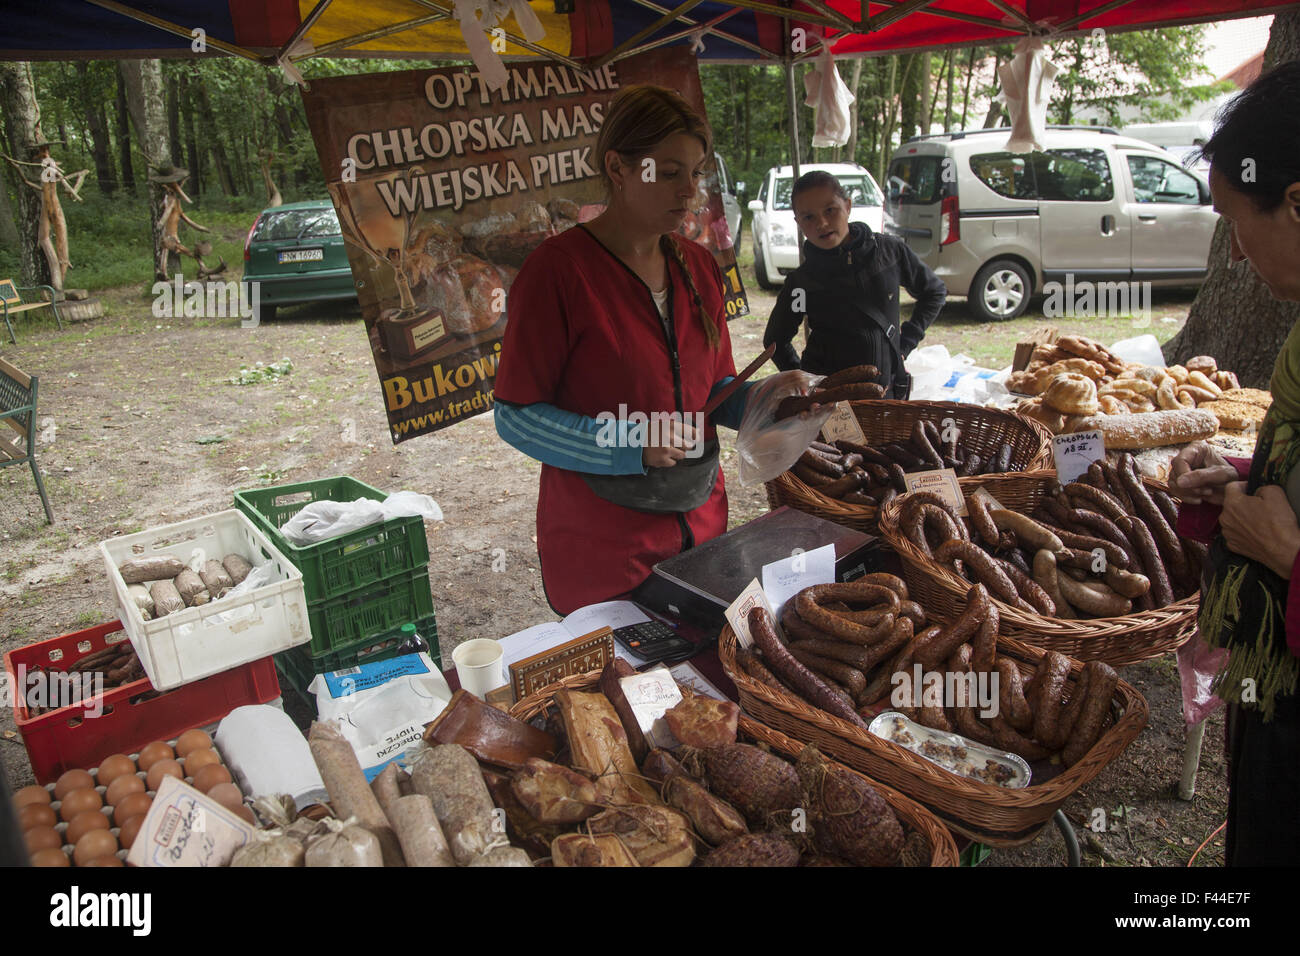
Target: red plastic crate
{"type": "Point", "coordinates": [69, 738]}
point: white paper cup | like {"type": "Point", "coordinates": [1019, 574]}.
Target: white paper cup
{"type": "Point", "coordinates": [478, 665]}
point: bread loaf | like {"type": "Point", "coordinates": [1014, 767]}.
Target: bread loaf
{"type": "Point", "coordinates": [1152, 429]}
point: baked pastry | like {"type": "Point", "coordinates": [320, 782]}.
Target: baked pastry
{"type": "Point", "coordinates": [1153, 429]}
{"type": "Point", "coordinates": [1023, 382]}
{"type": "Point", "coordinates": [1035, 409]}
{"type": "Point", "coordinates": [1073, 394]}
{"type": "Point", "coordinates": [1225, 379]}
{"type": "Point", "coordinates": [1235, 415]}
{"type": "Point", "coordinates": [1081, 366]}
{"type": "Point", "coordinates": [1251, 396]}
{"type": "Point", "coordinates": [1205, 364]}
{"type": "Point", "coordinates": [1110, 405]}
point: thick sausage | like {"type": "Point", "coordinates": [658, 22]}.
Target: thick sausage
{"type": "Point", "coordinates": [850, 376]}
{"type": "Point", "coordinates": [816, 462]}
{"type": "Point", "coordinates": [851, 654]}
{"type": "Point", "coordinates": [1093, 597]}
{"type": "Point", "coordinates": [901, 456]}
{"type": "Point", "coordinates": [791, 672]}
{"type": "Point", "coordinates": [1145, 545]}
{"type": "Point", "coordinates": [350, 794]}
{"type": "Point", "coordinates": [1102, 501]}
{"type": "Point", "coordinates": [1011, 696]}
{"type": "Point", "coordinates": [1006, 737]}
{"type": "Point", "coordinates": [847, 676]}
{"type": "Point", "coordinates": [1028, 589]}
{"type": "Point", "coordinates": [936, 648]}
{"type": "Point", "coordinates": [1171, 549]}
{"type": "Point", "coordinates": [1096, 704]}
{"type": "Point", "coordinates": [921, 440]}
{"type": "Point", "coordinates": [981, 567]}
{"type": "Point", "coordinates": [977, 509]}
{"type": "Point", "coordinates": [418, 831]}
{"type": "Point", "coordinates": [1049, 687]}
{"type": "Point", "coordinates": [811, 478]}
{"type": "Point", "coordinates": [984, 648]}
{"type": "Point", "coordinates": [1127, 583]}
{"type": "Point", "coordinates": [966, 713]}
{"type": "Point", "coordinates": [1029, 533]}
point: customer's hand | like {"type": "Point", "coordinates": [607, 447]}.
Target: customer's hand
{"type": "Point", "coordinates": [1261, 526]}
{"type": "Point", "coordinates": [1199, 473]}
{"type": "Point", "coordinates": [674, 439]}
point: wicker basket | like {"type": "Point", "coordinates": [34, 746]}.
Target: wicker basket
{"type": "Point", "coordinates": [913, 816]}
{"type": "Point", "coordinates": [1115, 640]}
{"type": "Point", "coordinates": [991, 814]}
{"type": "Point", "coordinates": [983, 431]}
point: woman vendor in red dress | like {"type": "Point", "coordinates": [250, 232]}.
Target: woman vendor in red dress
{"type": "Point", "coordinates": [608, 319]}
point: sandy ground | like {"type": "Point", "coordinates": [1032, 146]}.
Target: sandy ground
{"type": "Point", "coordinates": [140, 428]}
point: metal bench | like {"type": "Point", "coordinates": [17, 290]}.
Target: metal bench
{"type": "Point", "coordinates": [11, 298]}
{"type": "Point", "coordinates": [18, 411]}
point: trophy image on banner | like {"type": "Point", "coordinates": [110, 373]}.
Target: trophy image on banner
{"type": "Point", "coordinates": [407, 331]}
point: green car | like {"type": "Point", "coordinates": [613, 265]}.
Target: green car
{"type": "Point", "coordinates": [294, 253]}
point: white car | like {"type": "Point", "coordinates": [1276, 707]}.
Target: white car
{"type": "Point", "coordinates": [776, 239]}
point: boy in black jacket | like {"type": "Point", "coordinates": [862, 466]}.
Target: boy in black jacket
{"type": "Point", "coordinates": [847, 289]}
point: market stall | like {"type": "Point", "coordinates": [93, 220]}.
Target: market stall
{"type": "Point", "coordinates": [625, 735]}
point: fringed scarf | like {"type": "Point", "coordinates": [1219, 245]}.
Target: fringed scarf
{"type": "Point", "coordinates": [1244, 607]}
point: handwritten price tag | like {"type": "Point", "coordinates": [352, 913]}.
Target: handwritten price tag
{"type": "Point", "coordinates": [738, 613]}
{"type": "Point", "coordinates": [843, 426]}
{"type": "Point", "coordinates": [1074, 453]}
{"type": "Point", "coordinates": [942, 483]}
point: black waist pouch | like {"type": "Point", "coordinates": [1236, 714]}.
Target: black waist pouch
{"type": "Point", "coordinates": [683, 487]}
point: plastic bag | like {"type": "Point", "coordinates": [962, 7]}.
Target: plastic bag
{"type": "Point", "coordinates": [767, 447]}
{"type": "Point", "coordinates": [1198, 663]}
{"type": "Point", "coordinates": [322, 520]}
{"type": "Point", "coordinates": [930, 367]}
{"type": "Point", "coordinates": [1144, 350]}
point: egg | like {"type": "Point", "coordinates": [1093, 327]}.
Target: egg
{"type": "Point", "coordinates": [36, 815]}
{"type": "Point", "coordinates": [50, 858]}
{"type": "Point", "coordinates": [73, 780]}
{"type": "Point", "coordinates": [79, 801]}
{"type": "Point", "coordinates": [227, 794]}
{"type": "Point", "coordinates": [210, 776]}
{"type": "Point", "coordinates": [122, 787]}
{"type": "Point", "coordinates": [105, 861]}
{"type": "Point", "coordinates": [113, 767]}
{"type": "Point", "coordinates": [42, 838]}
{"type": "Point", "coordinates": [131, 805]}
{"type": "Point", "coordinates": [93, 845]}
{"type": "Point", "coordinates": [32, 794]}
{"type": "Point", "coordinates": [196, 760]}
{"type": "Point", "coordinates": [246, 814]}
{"type": "Point", "coordinates": [164, 768]}
{"type": "Point", "coordinates": [192, 740]}
{"type": "Point", "coordinates": [126, 836]}
{"type": "Point", "coordinates": [150, 754]}
{"type": "Point", "coordinates": [83, 823]}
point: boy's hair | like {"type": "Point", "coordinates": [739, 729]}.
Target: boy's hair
{"type": "Point", "coordinates": [818, 178]}
{"type": "Point", "coordinates": [1259, 131]}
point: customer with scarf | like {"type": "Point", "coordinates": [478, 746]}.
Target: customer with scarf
{"type": "Point", "coordinates": [847, 289]}
{"type": "Point", "coordinates": [1251, 603]}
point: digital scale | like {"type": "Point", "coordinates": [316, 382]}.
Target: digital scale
{"type": "Point", "coordinates": [700, 584]}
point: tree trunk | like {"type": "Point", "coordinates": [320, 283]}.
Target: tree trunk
{"type": "Point", "coordinates": [748, 153]}
{"type": "Point", "coordinates": [174, 118]}
{"type": "Point", "coordinates": [193, 155]}
{"type": "Point", "coordinates": [947, 103]}
{"type": "Point", "coordinates": [848, 153]}
{"type": "Point", "coordinates": [22, 119]}
{"type": "Point", "coordinates": [144, 87]}
{"type": "Point", "coordinates": [97, 125]}
{"type": "Point", "coordinates": [279, 113]}
{"type": "Point", "coordinates": [925, 114]}
{"type": "Point", "coordinates": [8, 228]}
{"type": "Point", "coordinates": [995, 105]}
{"type": "Point", "coordinates": [1256, 324]}
{"type": "Point", "coordinates": [216, 143]}
{"type": "Point", "coordinates": [965, 99]}
{"type": "Point", "coordinates": [124, 137]}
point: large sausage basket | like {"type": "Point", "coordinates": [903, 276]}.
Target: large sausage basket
{"type": "Point", "coordinates": [983, 431]}
{"type": "Point", "coordinates": [982, 811]}
{"type": "Point", "coordinates": [1122, 640]}
{"type": "Point", "coordinates": [913, 816]}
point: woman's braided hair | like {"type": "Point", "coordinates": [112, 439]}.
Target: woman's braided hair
{"type": "Point", "coordinates": [639, 118]}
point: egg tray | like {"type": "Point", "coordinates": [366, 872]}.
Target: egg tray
{"type": "Point", "coordinates": [61, 827]}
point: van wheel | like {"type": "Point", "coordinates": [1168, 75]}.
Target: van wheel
{"type": "Point", "coordinates": [760, 268]}
{"type": "Point", "coordinates": [1000, 291]}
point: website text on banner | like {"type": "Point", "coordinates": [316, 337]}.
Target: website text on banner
{"type": "Point", "coordinates": [443, 187]}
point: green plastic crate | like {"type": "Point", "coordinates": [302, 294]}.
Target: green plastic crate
{"type": "Point", "coordinates": [344, 623]}
{"type": "Point", "coordinates": [299, 667]}
{"type": "Point", "coordinates": [335, 568]}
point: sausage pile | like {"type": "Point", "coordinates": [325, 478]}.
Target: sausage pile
{"type": "Point", "coordinates": [116, 665]}
{"type": "Point", "coordinates": [1035, 719]}
{"type": "Point", "coordinates": [847, 385]}
{"type": "Point", "coordinates": [1103, 546]}
{"type": "Point", "coordinates": [844, 642]}
{"type": "Point", "coordinates": [873, 474]}
{"type": "Point", "coordinates": [843, 661]}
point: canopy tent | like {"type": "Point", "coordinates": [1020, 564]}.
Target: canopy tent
{"type": "Point", "coordinates": [587, 32]}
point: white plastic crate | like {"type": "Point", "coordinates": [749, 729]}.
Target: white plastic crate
{"type": "Point", "coordinates": [198, 641]}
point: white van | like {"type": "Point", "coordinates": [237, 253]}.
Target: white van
{"type": "Point", "coordinates": [996, 226]}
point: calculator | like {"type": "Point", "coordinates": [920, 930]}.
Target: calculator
{"type": "Point", "coordinates": [653, 641]}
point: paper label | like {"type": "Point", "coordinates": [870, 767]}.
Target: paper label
{"type": "Point", "coordinates": [651, 694]}
{"type": "Point", "coordinates": [184, 827]}
{"type": "Point", "coordinates": [843, 426]}
{"type": "Point", "coordinates": [738, 613]}
{"type": "Point", "coordinates": [943, 483]}
{"type": "Point", "coordinates": [784, 579]}
{"type": "Point", "coordinates": [1074, 453]}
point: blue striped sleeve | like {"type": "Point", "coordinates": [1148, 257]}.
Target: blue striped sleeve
{"type": "Point", "coordinates": [731, 412]}
{"type": "Point", "coordinates": [569, 440]}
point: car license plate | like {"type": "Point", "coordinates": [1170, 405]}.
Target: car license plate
{"type": "Point", "coordinates": [302, 255]}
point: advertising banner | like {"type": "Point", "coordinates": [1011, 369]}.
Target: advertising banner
{"type": "Point", "coordinates": [443, 187]}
